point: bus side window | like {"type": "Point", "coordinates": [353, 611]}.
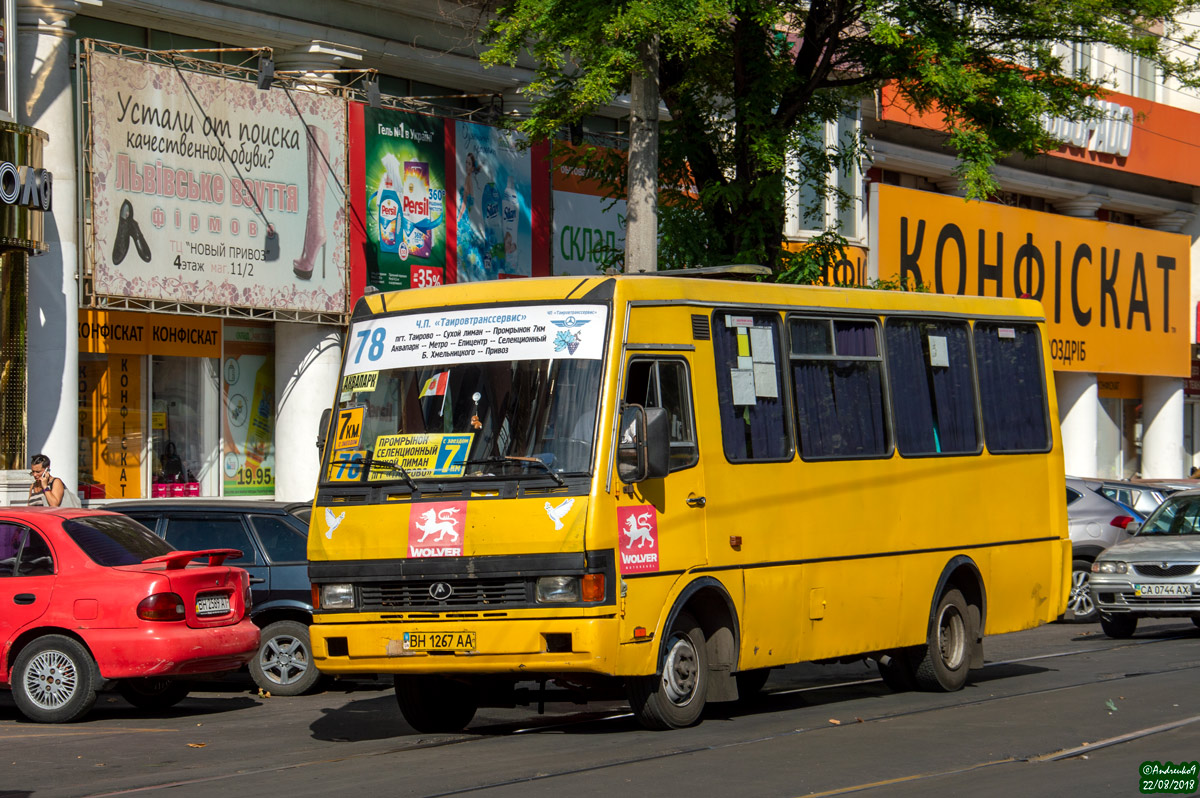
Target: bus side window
{"type": "Point", "coordinates": [932, 386]}
{"type": "Point", "coordinates": [665, 384]}
{"type": "Point", "coordinates": [750, 386]}
{"type": "Point", "coordinates": [1012, 387]}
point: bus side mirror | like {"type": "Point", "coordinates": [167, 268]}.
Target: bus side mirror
{"type": "Point", "coordinates": [644, 448]}
{"type": "Point", "coordinates": [323, 430]}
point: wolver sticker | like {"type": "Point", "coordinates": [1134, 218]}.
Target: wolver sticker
{"type": "Point", "coordinates": [639, 538]}
{"type": "Point", "coordinates": [437, 529]}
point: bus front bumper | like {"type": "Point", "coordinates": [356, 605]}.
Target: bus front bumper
{"type": "Point", "coordinates": [535, 645]}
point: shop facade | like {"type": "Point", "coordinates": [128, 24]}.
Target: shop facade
{"type": "Point", "coordinates": [1102, 232]}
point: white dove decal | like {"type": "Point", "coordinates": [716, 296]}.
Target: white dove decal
{"type": "Point", "coordinates": [332, 521]}
{"type": "Point", "coordinates": [556, 513]}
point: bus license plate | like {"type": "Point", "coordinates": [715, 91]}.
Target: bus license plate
{"type": "Point", "coordinates": [212, 605]}
{"type": "Point", "coordinates": [1162, 590]}
{"type": "Point", "coordinates": [439, 641]}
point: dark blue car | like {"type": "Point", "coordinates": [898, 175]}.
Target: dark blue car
{"type": "Point", "coordinates": [273, 538]}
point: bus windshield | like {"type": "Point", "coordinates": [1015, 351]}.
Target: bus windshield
{"type": "Point", "coordinates": [455, 402]}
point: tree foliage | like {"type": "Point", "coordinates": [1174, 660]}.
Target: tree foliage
{"type": "Point", "coordinates": [746, 82]}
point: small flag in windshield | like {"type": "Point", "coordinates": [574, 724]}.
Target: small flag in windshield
{"type": "Point", "coordinates": [435, 385]}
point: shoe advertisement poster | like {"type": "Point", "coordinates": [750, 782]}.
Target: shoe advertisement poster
{"type": "Point", "coordinates": [207, 189]}
{"type": "Point", "coordinates": [494, 224]}
{"type": "Point", "coordinates": [405, 174]}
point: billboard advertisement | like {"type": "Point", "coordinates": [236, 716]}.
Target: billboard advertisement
{"type": "Point", "coordinates": [206, 189]}
{"type": "Point", "coordinates": [405, 203]}
{"type": "Point", "coordinates": [495, 203]}
{"type": "Point", "coordinates": [588, 228]}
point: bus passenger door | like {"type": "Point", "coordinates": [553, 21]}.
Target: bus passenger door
{"type": "Point", "coordinates": [661, 523]}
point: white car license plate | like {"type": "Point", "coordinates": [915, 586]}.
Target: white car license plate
{"type": "Point", "coordinates": [1162, 590]}
{"type": "Point", "coordinates": [212, 605]}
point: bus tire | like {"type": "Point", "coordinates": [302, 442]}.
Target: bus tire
{"type": "Point", "coordinates": [675, 698]}
{"type": "Point", "coordinates": [434, 704]}
{"type": "Point", "coordinates": [897, 671]}
{"type": "Point", "coordinates": [946, 660]}
{"type": "Point", "coordinates": [1119, 627]}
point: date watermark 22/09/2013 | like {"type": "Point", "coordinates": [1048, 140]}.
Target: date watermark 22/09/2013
{"type": "Point", "coordinates": [1168, 777]}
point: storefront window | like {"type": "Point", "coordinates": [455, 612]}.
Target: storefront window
{"type": "Point", "coordinates": [248, 410]}
{"type": "Point", "coordinates": [184, 436]}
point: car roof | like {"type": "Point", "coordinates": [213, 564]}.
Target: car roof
{"type": "Point", "coordinates": [209, 505]}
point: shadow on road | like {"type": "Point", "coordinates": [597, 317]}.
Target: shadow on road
{"type": "Point", "coordinates": [363, 719]}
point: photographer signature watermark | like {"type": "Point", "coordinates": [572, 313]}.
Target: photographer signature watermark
{"type": "Point", "coordinates": [1168, 777]}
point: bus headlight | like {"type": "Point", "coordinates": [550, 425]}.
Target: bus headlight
{"type": "Point", "coordinates": [337, 597]}
{"type": "Point", "coordinates": [557, 589]}
{"type": "Point", "coordinates": [1110, 567]}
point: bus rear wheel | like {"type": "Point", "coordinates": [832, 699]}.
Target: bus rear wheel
{"type": "Point", "coordinates": [947, 655]}
{"type": "Point", "coordinates": [675, 698]}
{"type": "Point", "coordinates": [434, 704]}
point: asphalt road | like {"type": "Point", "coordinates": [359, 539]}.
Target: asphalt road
{"type": "Point", "coordinates": [1060, 710]}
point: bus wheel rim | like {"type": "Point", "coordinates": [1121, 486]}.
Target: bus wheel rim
{"type": "Point", "coordinates": [680, 671]}
{"type": "Point", "coordinates": [952, 638]}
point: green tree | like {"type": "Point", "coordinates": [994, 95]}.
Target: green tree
{"type": "Point", "coordinates": [748, 81]}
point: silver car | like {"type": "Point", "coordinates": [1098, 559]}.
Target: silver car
{"type": "Point", "coordinates": [1144, 498]}
{"type": "Point", "coordinates": [1095, 523]}
{"type": "Point", "coordinates": [1154, 574]}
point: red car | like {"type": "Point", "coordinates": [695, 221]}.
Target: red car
{"type": "Point", "coordinates": [88, 597]}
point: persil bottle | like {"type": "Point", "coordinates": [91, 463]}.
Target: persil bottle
{"type": "Point", "coordinates": [415, 223]}
{"type": "Point", "coordinates": [389, 216]}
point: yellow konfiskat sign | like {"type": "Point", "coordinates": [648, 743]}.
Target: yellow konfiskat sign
{"type": "Point", "coordinates": [1115, 296]}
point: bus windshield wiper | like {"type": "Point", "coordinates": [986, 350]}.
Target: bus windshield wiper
{"type": "Point", "coordinates": [371, 462]}
{"type": "Point", "coordinates": [512, 458]}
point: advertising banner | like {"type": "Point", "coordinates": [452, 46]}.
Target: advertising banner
{"type": "Point", "coordinates": [588, 228]}
{"type": "Point", "coordinates": [206, 189]}
{"type": "Point", "coordinates": [1115, 296]}
{"type": "Point", "coordinates": [495, 202]}
{"type": "Point", "coordinates": [405, 176]}
{"type": "Point", "coordinates": [248, 411]}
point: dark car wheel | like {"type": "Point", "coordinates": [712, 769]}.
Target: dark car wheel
{"type": "Point", "coordinates": [153, 694]}
{"type": "Point", "coordinates": [283, 665]}
{"type": "Point", "coordinates": [54, 680]}
{"type": "Point", "coordinates": [1119, 627]}
{"type": "Point", "coordinates": [1080, 603]}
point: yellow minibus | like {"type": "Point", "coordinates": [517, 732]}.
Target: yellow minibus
{"type": "Point", "coordinates": [673, 484]}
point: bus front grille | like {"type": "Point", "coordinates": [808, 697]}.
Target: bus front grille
{"type": "Point", "coordinates": [419, 594]}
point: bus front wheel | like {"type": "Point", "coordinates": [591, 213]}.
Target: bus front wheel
{"type": "Point", "coordinates": [434, 704]}
{"type": "Point", "coordinates": [675, 698]}
{"type": "Point", "coordinates": [947, 657]}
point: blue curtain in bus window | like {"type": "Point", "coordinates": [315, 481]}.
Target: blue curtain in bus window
{"type": "Point", "coordinates": [934, 403]}
{"type": "Point", "coordinates": [1012, 387]}
{"type": "Point", "coordinates": [749, 431]}
{"type": "Point", "coordinates": [839, 403]}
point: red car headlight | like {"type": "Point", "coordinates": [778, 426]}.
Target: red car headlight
{"type": "Point", "coordinates": [161, 607]}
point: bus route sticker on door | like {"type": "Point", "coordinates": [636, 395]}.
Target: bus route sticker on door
{"type": "Point", "coordinates": [639, 538]}
{"type": "Point", "coordinates": [437, 529]}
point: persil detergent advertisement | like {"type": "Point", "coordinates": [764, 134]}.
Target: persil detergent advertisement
{"type": "Point", "coordinates": [405, 211]}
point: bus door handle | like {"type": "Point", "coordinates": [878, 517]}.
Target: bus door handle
{"type": "Point", "coordinates": [696, 501]}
